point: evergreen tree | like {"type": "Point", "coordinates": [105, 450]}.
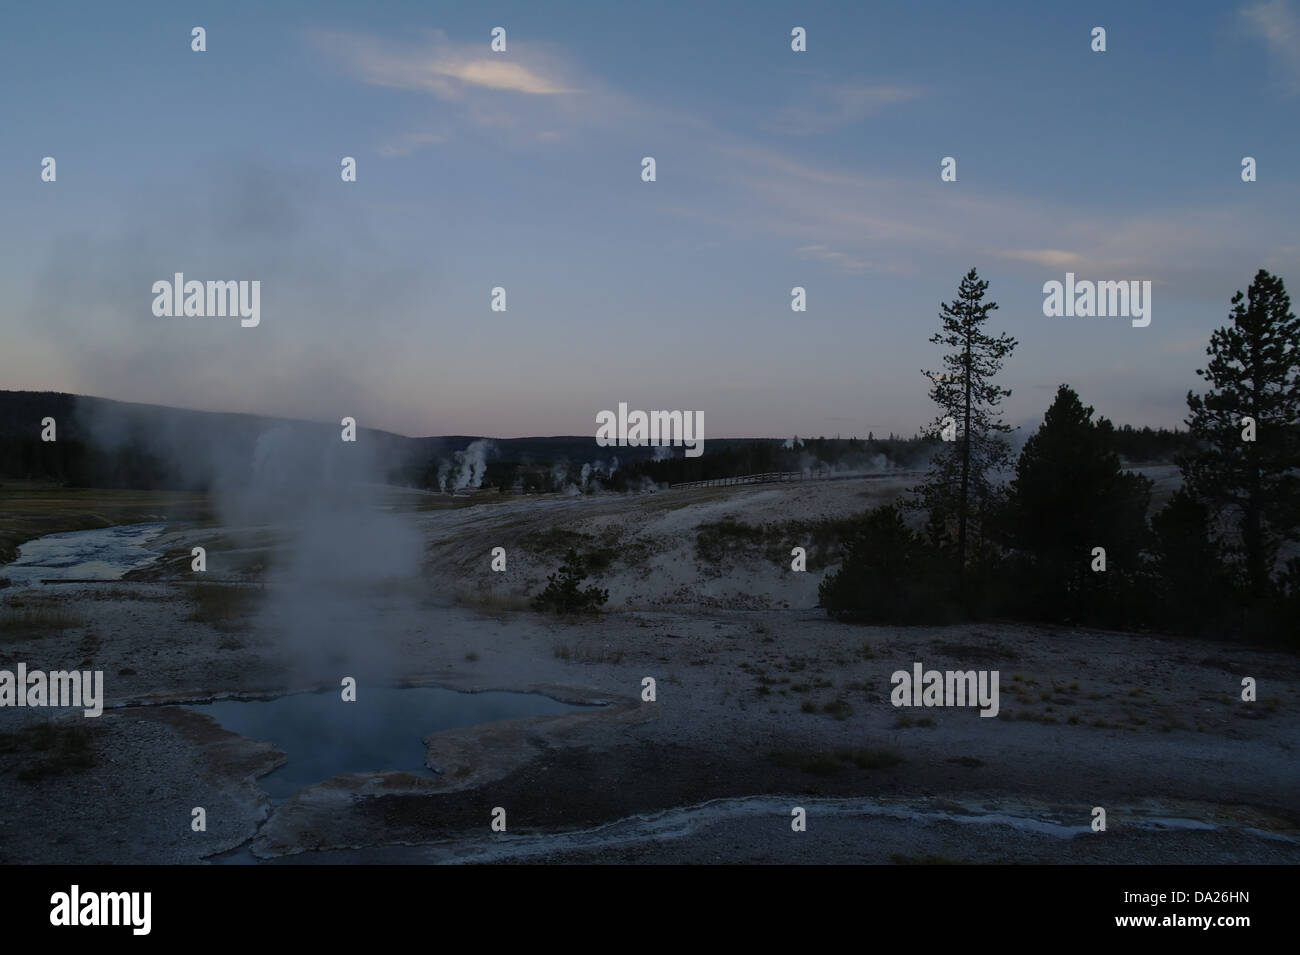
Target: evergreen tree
{"type": "Point", "coordinates": [564, 592]}
{"type": "Point", "coordinates": [1254, 372]}
{"type": "Point", "coordinates": [1070, 496]}
{"type": "Point", "coordinates": [958, 491]}
{"type": "Point", "coordinates": [1190, 581]}
{"type": "Point", "coordinates": [888, 574]}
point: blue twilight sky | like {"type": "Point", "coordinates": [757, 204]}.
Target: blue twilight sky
{"type": "Point", "coordinates": [522, 169]}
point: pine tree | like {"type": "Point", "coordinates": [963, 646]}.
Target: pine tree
{"type": "Point", "coordinates": [888, 574]}
{"type": "Point", "coordinates": [564, 592]}
{"type": "Point", "coordinates": [1254, 372]}
{"type": "Point", "coordinates": [1190, 579]}
{"type": "Point", "coordinates": [1071, 495]}
{"type": "Point", "coordinates": [958, 489]}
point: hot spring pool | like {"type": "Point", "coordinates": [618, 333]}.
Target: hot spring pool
{"type": "Point", "coordinates": [383, 730]}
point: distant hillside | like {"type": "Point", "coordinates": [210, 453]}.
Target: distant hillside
{"type": "Point", "coordinates": [106, 443]}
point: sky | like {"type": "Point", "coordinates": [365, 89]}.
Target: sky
{"type": "Point", "coordinates": [522, 169]}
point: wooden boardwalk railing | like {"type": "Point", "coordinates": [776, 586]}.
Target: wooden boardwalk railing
{"type": "Point", "coordinates": [770, 477]}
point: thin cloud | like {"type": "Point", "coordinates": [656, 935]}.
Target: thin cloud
{"type": "Point", "coordinates": [408, 143]}
{"type": "Point", "coordinates": [840, 260]}
{"type": "Point", "coordinates": [1278, 26]}
{"type": "Point", "coordinates": [830, 107]}
{"type": "Point", "coordinates": [448, 71]}
{"type": "Point", "coordinates": [1051, 258]}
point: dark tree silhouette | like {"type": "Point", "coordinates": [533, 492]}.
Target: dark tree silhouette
{"type": "Point", "coordinates": [958, 489]}
{"type": "Point", "coordinates": [564, 592]}
{"type": "Point", "coordinates": [1070, 496]}
{"type": "Point", "coordinates": [1190, 579]}
{"type": "Point", "coordinates": [1254, 372]}
{"type": "Point", "coordinates": [888, 575]}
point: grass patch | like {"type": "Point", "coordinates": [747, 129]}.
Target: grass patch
{"type": "Point", "coordinates": [990, 651]}
{"type": "Point", "coordinates": [88, 646]}
{"type": "Point", "coordinates": [906, 722]}
{"type": "Point", "coordinates": [825, 764]}
{"type": "Point", "coordinates": [556, 541]}
{"type": "Point", "coordinates": [814, 764]}
{"type": "Point", "coordinates": [222, 605]}
{"type": "Point", "coordinates": [491, 602]}
{"type": "Point", "coordinates": [580, 652]}
{"type": "Point", "coordinates": [870, 758]}
{"type": "Point", "coordinates": [58, 748]}
{"type": "Point", "coordinates": [840, 709]}
{"type": "Point", "coordinates": [718, 541]}
{"type": "Point", "coordinates": [29, 512]}
{"type": "Point", "coordinates": [22, 621]}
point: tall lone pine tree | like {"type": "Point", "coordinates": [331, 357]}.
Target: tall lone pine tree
{"type": "Point", "coordinates": [958, 490]}
{"type": "Point", "coordinates": [1248, 473]}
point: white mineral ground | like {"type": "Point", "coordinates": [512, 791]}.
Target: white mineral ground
{"type": "Point", "coordinates": [1150, 728]}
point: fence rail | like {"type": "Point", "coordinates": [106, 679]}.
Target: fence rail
{"type": "Point", "coordinates": [771, 477]}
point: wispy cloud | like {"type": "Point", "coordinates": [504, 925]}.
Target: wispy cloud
{"type": "Point", "coordinates": [853, 220]}
{"type": "Point", "coordinates": [887, 224]}
{"type": "Point", "coordinates": [840, 260]}
{"type": "Point", "coordinates": [533, 92]}
{"type": "Point", "coordinates": [1051, 258]}
{"type": "Point", "coordinates": [408, 143]}
{"type": "Point", "coordinates": [831, 106]}
{"type": "Point", "coordinates": [1278, 25]}
{"type": "Point", "coordinates": [448, 71]}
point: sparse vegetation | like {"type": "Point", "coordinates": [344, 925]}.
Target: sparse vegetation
{"type": "Point", "coordinates": [564, 592]}
{"type": "Point", "coordinates": [581, 652]}
{"type": "Point", "coordinates": [825, 764]}
{"type": "Point", "coordinates": [89, 646]}
{"type": "Point", "coordinates": [992, 651]}
{"type": "Point", "coordinates": [491, 602]}
{"type": "Point", "coordinates": [20, 620]}
{"type": "Point", "coordinates": [63, 747]}
{"type": "Point", "coordinates": [840, 709]}
{"type": "Point", "coordinates": [719, 542]}
{"type": "Point", "coordinates": [906, 722]}
{"type": "Point", "coordinates": [222, 605]}
{"type": "Point", "coordinates": [31, 511]}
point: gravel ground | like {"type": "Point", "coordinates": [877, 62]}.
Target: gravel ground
{"type": "Point", "coordinates": [762, 704]}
